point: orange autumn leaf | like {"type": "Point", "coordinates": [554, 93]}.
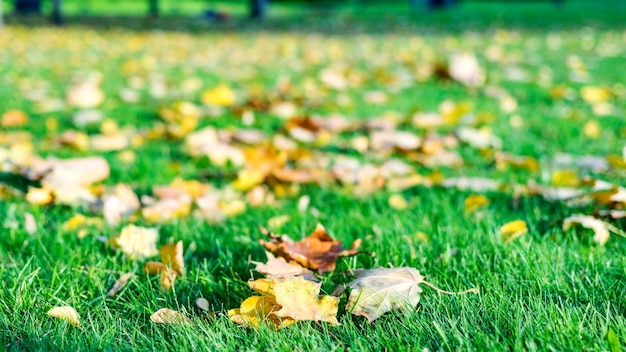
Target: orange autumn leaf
{"type": "Point", "coordinates": [318, 251]}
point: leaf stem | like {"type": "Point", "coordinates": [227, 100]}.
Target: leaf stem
{"type": "Point", "coordinates": [471, 290]}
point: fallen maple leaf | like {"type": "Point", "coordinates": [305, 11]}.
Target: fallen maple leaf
{"type": "Point", "coordinates": [318, 251]}
{"type": "Point", "coordinates": [300, 300]}
{"type": "Point", "coordinates": [377, 291]}
{"type": "Point", "coordinates": [65, 313]}
{"type": "Point", "coordinates": [258, 309]}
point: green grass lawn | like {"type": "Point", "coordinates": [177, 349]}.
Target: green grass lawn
{"type": "Point", "coordinates": [547, 290]}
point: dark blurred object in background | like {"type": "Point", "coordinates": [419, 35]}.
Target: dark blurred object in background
{"type": "Point", "coordinates": [28, 7]}
{"type": "Point", "coordinates": [258, 8]}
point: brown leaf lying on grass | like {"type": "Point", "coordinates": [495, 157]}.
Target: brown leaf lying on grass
{"type": "Point", "coordinates": [317, 252]}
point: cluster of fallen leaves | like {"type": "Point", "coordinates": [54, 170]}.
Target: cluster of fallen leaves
{"type": "Point", "coordinates": [290, 291]}
{"type": "Point", "coordinates": [316, 140]}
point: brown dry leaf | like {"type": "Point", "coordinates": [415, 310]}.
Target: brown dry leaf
{"type": "Point", "coordinates": [65, 313]}
{"type": "Point", "coordinates": [513, 230]}
{"type": "Point", "coordinates": [120, 284]}
{"type": "Point", "coordinates": [318, 251]}
{"type": "Point", "coordinates": [168, 316]}
{"type": "Point", "coordinates": [172, 256]}
{"type": "Point", "coordinates": [278, 267]}
{"type": "Point", "coordinates": [301, 300]}
{"type": "Point", "coordinates": [599, 227]}
{"type": "Point", "coordinates": [474, 202]}
{"type": "Point", "coordinates": [137, 242]}
{"type": "Point", "coordinates": [378, 291]}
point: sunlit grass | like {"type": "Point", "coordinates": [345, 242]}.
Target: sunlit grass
{"type": "Point", "coordinates": [547, 290]}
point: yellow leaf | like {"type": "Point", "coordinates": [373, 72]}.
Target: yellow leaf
{"type": "Point", "coordinates": [595, 94]}
{"type": "Point", "coordinates": [39, 196]}
{"type": "Point", "coordinates": [233, 208]}
{"type": "Point", "coordinates": [300, 300]}
{"type": "Point", "coordinates": [277, 221]}
{"type": "Point", "coordinates": [222, 95]}
{"type": "Point", "coordinates": [592, 129]}
{"type": "Point", "coordinates": [137, 242]}
{"type": "Point", "coordinates": [565, 178]}
{"type": "Point", "coordinates": [66, 313]}
{"type": "Point", "coordinates": [80, 221]}
{"type": "Point", "coordinates": [259, 309]}
{"type": "Point", "coordinates": [168, 276]}
{"type": "Point", "coordinates": [513, 230]}
{"type": "Point", "coordinates": [398, 202]}
{"type": "Point", "coordinates": [248, 179]}
{"type": "Point", "coordinates": [172, 255]}
{"type": "Point", "coordinates": [474, 202]}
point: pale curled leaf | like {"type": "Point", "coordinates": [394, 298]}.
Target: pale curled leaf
{"type": "Point", "coordinates": [65, 313]}
{"type": "Point", "coordinates": [599, 227]}
{"type": "Point", "coordinates": [168, 316]}
{"type": "Point", "coordinates": [120, 284]}
{"type": "Point", "coordinates": [377, 291]}
{"type": "Point", "coordinates": [279, 267]}
{"type": "Point", "coordinates": [203, 304]}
